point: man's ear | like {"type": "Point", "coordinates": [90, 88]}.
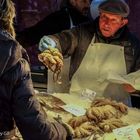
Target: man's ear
{"type": "Point", "coordinates": [124, 22]}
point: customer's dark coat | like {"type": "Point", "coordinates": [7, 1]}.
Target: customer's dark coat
{"type": "Point", "coordinates": [17, 100]}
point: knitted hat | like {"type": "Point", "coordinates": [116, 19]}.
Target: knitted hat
{"type": "Point", "coordinates": [118, 7]}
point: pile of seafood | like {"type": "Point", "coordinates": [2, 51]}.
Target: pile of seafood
{"type": "Point", "coordinates": [53, 60]}
{"type": "Point", "coordinates": [102, 117]}
{"type": "Point", "coordinates": [50, 102]}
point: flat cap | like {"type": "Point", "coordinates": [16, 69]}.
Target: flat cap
{"type": "Point", "coordinates": [118, 7]}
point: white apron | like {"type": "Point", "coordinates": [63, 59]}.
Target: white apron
{"type": "Point", "coordinates": [99, 60]}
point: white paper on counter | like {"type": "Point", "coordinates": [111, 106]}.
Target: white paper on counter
{"type": "Point", "coordinates": [127, 133]}
{"type": "Point", "coordinates": [133, 79]}
{"type": "Point", "coordinates": [74, 109]}
{"type": "Point", "coordinates": [75, 99]}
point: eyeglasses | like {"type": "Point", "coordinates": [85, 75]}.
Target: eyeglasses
{"type": "Point", "coordinates": [113, 21]}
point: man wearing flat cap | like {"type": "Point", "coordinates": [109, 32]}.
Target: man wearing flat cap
{"type": "Point", "coordinates": [117, 7]}
{"type": "Point", "coordinates": [100, 51]}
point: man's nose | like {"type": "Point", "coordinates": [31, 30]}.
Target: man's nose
{"type": "Point", "coordinates": [107, 22]}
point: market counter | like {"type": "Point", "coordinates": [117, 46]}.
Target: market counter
{"type": "Point", "coordinates": [133, 116]}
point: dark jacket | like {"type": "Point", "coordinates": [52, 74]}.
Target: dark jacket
{"type": "Point", "coordinates": [18, 104]}
{"type": "Point", "coordinates": [53, 23]}
{"type": "Point", "coordinates": [75, 42]}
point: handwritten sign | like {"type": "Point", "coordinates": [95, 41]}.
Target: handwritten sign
{"type": "Point", "coordinates": [74, 109]}
{"type": "Point", "coordinates": [127, 133]}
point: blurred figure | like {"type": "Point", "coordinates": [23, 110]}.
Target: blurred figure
{"type": "Point", "coordinates": [72, 13]}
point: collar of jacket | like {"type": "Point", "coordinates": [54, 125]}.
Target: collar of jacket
{"type": "Point", "coordinates": [120, 38]}
{"type": "Point", "coordinates": [4, 35]}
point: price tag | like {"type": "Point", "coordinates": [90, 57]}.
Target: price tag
{"type": "Point", "coordinates": [74, 109]}
{"type": "Point", "coordinates": [88, 94]}
{"type": "Point", "coordinates": [130, 132]}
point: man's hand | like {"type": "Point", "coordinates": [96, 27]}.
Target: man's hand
{"type": "Point", "coordinates": [69, 129]}
{"type": "Point", "coordinates": [52, 59]}
{"type": "Point", "coordinates": [128, 88]}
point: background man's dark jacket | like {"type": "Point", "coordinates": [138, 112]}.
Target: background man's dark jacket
{"type": "Point", "coordinates": [54, 23]}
